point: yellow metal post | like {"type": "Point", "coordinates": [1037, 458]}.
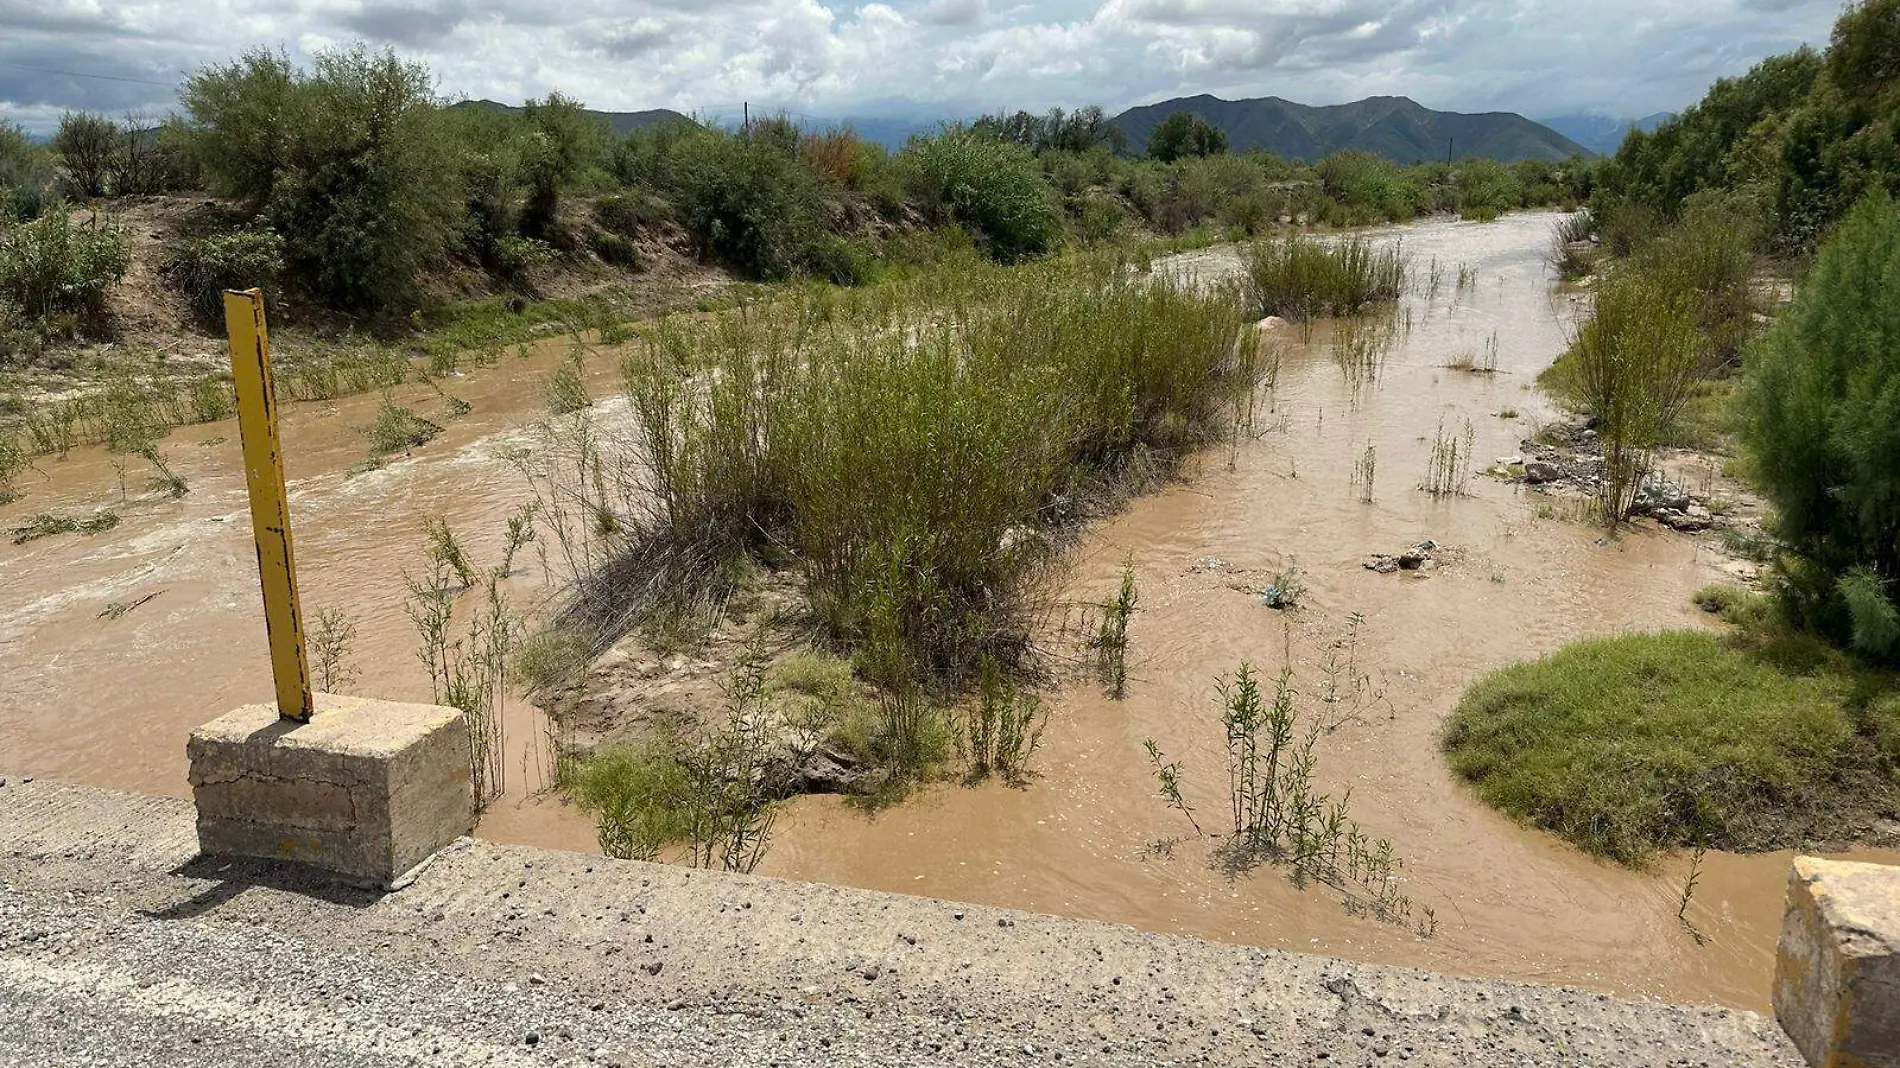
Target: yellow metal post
{"type": "Point", "coordinates": [270, 511]}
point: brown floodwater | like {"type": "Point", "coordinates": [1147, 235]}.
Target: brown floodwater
{"type": "Point", "coordinates": [110, 701]}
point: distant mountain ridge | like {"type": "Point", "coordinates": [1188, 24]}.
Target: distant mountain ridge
{"type": "Point", "coordinates": [1395, 127]}
{"type": "Point", "coordinates": [621, 122]}
{"type": "Point", "coordinates": [1603, 134]}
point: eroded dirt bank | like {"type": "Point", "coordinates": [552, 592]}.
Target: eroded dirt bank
{"type": "Point", "coordinates": [109, 701]}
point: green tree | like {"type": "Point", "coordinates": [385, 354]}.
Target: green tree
{"type": "Point", "coordinates": [562, 142]}
{"type": "Point", "coordinates": [88, 145]}
{"type": "Point", "coordinates": [26, 174]}
{"type": "Point", "coordinates": [351, 162]}
{"type": "Point", "coordinates": [239, 111]}
{"type": "Point", "coordinates": [1185, 134]}
{"type": "Point", "coordinates": [1821, 418]}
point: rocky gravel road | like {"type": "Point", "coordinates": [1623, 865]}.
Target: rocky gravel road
{"type": "Point", "coordinates": [119, 947]}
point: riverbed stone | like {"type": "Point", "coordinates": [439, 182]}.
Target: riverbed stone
{"type": "Point", "coordinates": [366, 789]}
{"type": "Point", "coordinates": [1837, 971]}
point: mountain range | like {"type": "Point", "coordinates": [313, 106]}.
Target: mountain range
{"type": "Point", "coordinates": [621, 122]}
{"type": "Point", "coordinates": [1395, 127]}
{"type": "Point", "coordinates": [1603, 134]}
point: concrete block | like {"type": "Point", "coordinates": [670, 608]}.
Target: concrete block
{"type": "Point", "coordinates": [1837, 973]}
{"type": "Point", "coordinates": [366, 789]}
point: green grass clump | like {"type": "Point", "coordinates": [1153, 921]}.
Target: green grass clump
{"type": "Point", "coordinates": [1643, 742]}
{"type": "Point", "coordinates": [1299, 278]}
{"type": "Point", "coordinates": [1744, 608]}
{"type": "Point", "coordinates": [639, 800]}
{"type": "Point", "coordinates": [898, 441]}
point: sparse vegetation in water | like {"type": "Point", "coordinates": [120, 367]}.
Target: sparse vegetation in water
{"type": "Point", "coordinates": [467, 672]}
{"type": "Point", "coordinates": [1285, 588]}
{"type": "Point", "coordinates": [1483, 362]}
{"type": "Point", "coordinates": [1168, 779]}
{"type": "Point", "coordinates": [1359, 348]}
{"type": "Point", "coordinates": [1004, 729]}
{"type": "Point", "coordinates": [1632, 744]}
{"type": "Point", "coordinates": [1364, 471]}
{"type": "Point", "coordinates": [1111, 638]}
{"type": "Point", "coordinates": [519, 532]}
{"type": "Point", "coordinates": [332, 641]}
{"type": "Point", "coordinates": [398, 429]}
{"type": "Point", "coordinates": [1449, 469]}
{"type": "Point", "coordinates": [164, 480]}
{"type": "Point", "coordinates": [442, 547]}
{"type": "Point", "coordinates": [47, 524]}
{"type": "Point", "coordinates": [1278, 814]}
{"type": "Point", "coordinates": [1299, 278]}
{"type": "Point", "coordinates": [566, 390]}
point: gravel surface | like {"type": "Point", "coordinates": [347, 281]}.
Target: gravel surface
{"type": "Point", "coordinates": [118, 947]}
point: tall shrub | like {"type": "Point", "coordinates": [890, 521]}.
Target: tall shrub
{"type": "Point", "coordinates": [1821, 418]}
{"type": "Point", "coordinates": [992, 187]}
{"type": "Point", "coordinates": [348, 161]}
{"type": "Point", "coordinates": [87, 144]}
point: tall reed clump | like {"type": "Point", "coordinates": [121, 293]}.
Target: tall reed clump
{"type": "Point", "coordinates": [1299, 278]}
{"type": "Point", "coordinates": [467, 672]}
{"type": "Point", "coordinates": [1449, 468]}
{"type": "Point", "coordinates": [1111, 638]}
{"type": "Point", "coordinates": [1632, 367]}
{"type": "Point", "coordinates": [907, 445]}
{"type": "Point", "coordinates": [1004, 729]}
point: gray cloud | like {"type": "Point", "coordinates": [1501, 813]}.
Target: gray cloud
{"type": "Point", "coordinates": [417, 26]}
{"type": "Point", "coordinates": [956, 12]}
{"type": "Point", "coordinates": [929, 58]}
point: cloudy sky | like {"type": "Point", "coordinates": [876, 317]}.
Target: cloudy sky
{"type": "Point", "coordinates": [928, 58]}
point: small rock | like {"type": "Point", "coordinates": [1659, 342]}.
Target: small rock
{"type": "Point", "coordinates": [536, 980]}
{"type": "Point", "coordinates": [532, 1038]}
{"type": "Point", "coordinates": [1537, 473]}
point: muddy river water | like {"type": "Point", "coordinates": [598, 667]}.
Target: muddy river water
{"type": "Point", "coordinates": [109, 701]}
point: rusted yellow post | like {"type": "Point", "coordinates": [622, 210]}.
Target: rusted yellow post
{"type": "Point", "coordinates": [270, 511]}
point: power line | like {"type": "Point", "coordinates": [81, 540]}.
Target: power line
{"type": "Point", "coordinates": [83, 74]}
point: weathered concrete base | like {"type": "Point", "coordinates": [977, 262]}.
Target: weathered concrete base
{"type": "Point", "coordinates": [1837, 974]}
{"type": "Point", "coordinates": [366, 789]}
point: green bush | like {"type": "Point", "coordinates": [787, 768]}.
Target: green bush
{"type": "Point", "coordinates": [53, 268]}
{"type": "Point", "coordinates": [26, 175]}
{"type": "Point", "coordinates": [204, 267]}
{"type": "Point", "coordinates": [350, 162]}
{"type": "Point", "coordinates": [991, 187]}
{"type": "Point", "coordinates": [1649, 741]}
{"type": "Point", "coordinates": [562, 142]}
{"type": "Point", "coordinates": [749, 199]}
{"type": "Point", "coordinates": [1820, 416]}
{"type": "Point", "coordinates": [640, 800]}
{"type": "Point", "coordinates": [1632, 369]}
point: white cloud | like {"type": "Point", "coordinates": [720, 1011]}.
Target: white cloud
{"type": "Point", "coordinates": [928, 58]}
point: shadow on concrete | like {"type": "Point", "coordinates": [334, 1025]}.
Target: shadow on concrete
{"type": "Point", "coordinates": [231, 876]}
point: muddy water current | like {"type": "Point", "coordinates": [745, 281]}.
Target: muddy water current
{"type": "Point", "coordinates": [109, 701]}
